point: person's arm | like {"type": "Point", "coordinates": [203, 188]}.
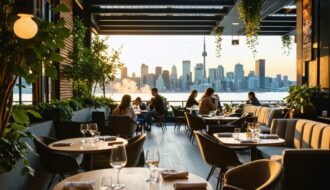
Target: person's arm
{"type": "Point", "coordinates": [133, 115]}
{"type": "Point", "coordinates": [211, 105]}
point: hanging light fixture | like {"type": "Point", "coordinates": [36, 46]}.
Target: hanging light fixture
{"type": "Point", "coordinates": [25, 27]}
{"type": "Point", "coordinates": [234, 42]}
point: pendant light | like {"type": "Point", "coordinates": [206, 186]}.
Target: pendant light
{"type": "Point", "coordinates": [25, 27]}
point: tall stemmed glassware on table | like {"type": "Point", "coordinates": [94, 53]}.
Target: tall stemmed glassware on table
{"type": "Point", "coordinates": [152, 160]}
{"type": "Point", "coordinates": [93, 129]}
{"type": "Point", "coordinates": [118, 160]}
{"type": "Point", "coordinates": [84, 129]}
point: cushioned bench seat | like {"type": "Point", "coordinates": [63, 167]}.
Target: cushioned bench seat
{"type": "Point", "coordinates": [269, 151]}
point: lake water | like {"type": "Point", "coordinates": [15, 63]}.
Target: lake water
{"type": "Point", "coordinates": [181, 96]}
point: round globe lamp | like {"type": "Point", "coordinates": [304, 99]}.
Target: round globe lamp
{"type": "Point", "coordinates": [25, 27]}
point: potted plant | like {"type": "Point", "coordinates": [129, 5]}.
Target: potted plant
{"type": "Point", "coordinates": [250, 13]}
{"type": "Point", "coordinates": [24, 58]}
{"type": "Point", "coordinates": [286, 44]}
{"type": "Point", "coordinates": [303, 101]}
{"type": "Point", "coordinates": [218, 39]}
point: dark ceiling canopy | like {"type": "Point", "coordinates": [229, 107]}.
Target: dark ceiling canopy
{"type": "Point", "coordinates": [184, 17]}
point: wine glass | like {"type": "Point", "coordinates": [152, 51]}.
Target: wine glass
{"type": "Point", "coordinates": [152, 160]}
{"type": "Point", "coordinates": [92, 128]}
{"type": "Point", "coordinates": [118, 160]}
{"type": "Point", "coordinates": [237, 131]}
{"type": "Point", "coordinates": [84, 129]}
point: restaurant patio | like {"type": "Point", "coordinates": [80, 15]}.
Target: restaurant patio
{"type": "Point", "coordinates": [65, 137]}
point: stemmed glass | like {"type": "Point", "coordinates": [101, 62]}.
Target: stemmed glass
{"type": "Point", "coordinates": [92, 129]}
{"type": "Point", "coordinates": [84, 129]}
{"type": "Point", "coordinates": [118, 160]}
{"type": "Point", "coordinates": [152, 160]}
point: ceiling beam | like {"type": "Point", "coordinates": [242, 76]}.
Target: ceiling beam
{"type": "Point", "coordinates": [279, 19]}
{"type": "Point", "coordinates": [200, 32]}
{"type": "Point", "coordinates": [225, 3]}
{"type": "Point", "coordinates": [156, 23]}
{"type": "Point", "coordinates": [278, 24]}
{"type": "Point", "coordinates": [159, 11]}
{"type": "Point", "coordinates": [154, 28]}
{"type": "Point", "coordinates": [159, 18]}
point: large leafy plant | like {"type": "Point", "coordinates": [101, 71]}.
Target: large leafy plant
{"type": "Point", "coordinates": [250, 13]}
{"type": "Point", "coordinates": [24, 58]}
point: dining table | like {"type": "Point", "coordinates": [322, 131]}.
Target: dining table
{"type": "Point", "coordinates": [88, 146]}
{"type": "Point", "coordinates": [133, 178]}
{"type": "Point", "coordinates": [228, 139]}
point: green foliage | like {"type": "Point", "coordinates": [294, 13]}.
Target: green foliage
{"type": "Point", "coordinates": [56, 110]}
{"type": "Point", "coordinates": [286, 44]}
{"type": "Point", "coordinates": [250, 13]}
{"type": "Point", "coordinates": [218, 39]}
{"type": "Point", "coordinates": [301, 97]}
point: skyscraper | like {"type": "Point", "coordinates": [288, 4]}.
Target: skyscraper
{"type": "Point", "coordinates": [144, 73]}
{"type": "Point", "coordinates": [261, 72]}
{"type": "Point", "coordinates": [174, 78]}
{"type": "Point", "coordinates": [220, 73]}
{"type": "Point", "coordinates": [186, 75]}
{"type": "Point", "coordinates": [199, 76]}
{"type": "Point", "coordinates": [151, 80]}
{"type": "Point", "coordinates": [124, 73]}
{"type": "Point", "coordinates": [133, 75]}
{"type": "Point", "coordinates": [185, 67]}
{"type": "Point", "coordinates": [239, 72]}
{"type": "Point", "coordinates": [212, 76]}
{"type": "Point", "coordinates": [158, 71]}
{"type": "Point", "coordinates": [160, 83]}
{"type": "Point", "coordinates": [166, 78]}
{"type": "Point", "coordinates": [230, 75]}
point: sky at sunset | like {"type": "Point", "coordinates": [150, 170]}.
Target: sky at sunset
{"type": "Point", "coordinates": [167, 51]}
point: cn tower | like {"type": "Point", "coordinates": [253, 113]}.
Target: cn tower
{"type": "Point", "coordinates": [204, 61]}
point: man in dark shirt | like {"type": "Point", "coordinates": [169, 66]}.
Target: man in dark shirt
{"type": "Point", "coordinates": [253, 99]}
{"type": "Point", "coordinates": [157, 106]}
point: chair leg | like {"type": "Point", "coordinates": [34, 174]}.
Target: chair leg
{"type": "Point", "coordinates": [210, 173]}
{"type": "Point", "coordinates": [220, 179]}
{"type": "Point", "coordinates": [51, 181]}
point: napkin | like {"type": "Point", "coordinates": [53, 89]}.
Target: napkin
{"type": "Point", "coordinates": [108, 138]}
{"type": "Point", "coordinates": [79, 184]}
{"type": "Point", "coordinates": [115, 142]}
{"type": "Point", "coordinates": [173, 174]}
{"type": "Point", "coordinates": [225, 134]}
{"type": "Point", "coordinates": [269, 136]}
{"type": "Point", "coordinates": [189, 185]}
{"type": "Point", "coordinates": [62, 143]}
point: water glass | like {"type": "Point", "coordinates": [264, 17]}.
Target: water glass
{"type": "Point", "coordinates": [237, 132]}
{"type": "Point", "coordinates": [152, 160]}
{"type": "Point", "coordinates": [106, 183]}
{"type": "Point", "coordinates": [97, 136]}
{"type": "Point", "coordinates": [118, 160]}
{"type": "Point", "coordinates": [84, 129]}
{"type": "Point", "coordinates": [92, 128]}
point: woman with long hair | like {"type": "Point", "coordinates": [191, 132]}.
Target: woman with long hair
{"type": "Point", "coordinates": [192, 99]}
{"type": "Point", "coordinates": [209, 102]}
{"type": "Point", "coordinates": [125, 108]}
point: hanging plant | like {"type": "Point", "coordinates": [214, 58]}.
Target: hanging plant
{"type": "Point", "coordinates": [250, 13]}
{"type": "Point", "coordinates": [218, 39]}
{"type": "Point", "coordinates": [286, 44]}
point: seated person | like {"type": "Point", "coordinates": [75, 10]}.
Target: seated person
{"type": "Point", "coordinates": [124, 108]}
{"type": "Point", "coordinates": [253, 100]}
{"type": "Point", "coordinates": [192, 99]}
{"type": "Point", "coordinates": [157, 106]}
{"type": "Point", "coordinates": [139, 104]}
{"type": "Point", "coordinates": [209, 102]}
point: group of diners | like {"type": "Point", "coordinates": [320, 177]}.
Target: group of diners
{"type": "Point", "coordinates": [209, 102]}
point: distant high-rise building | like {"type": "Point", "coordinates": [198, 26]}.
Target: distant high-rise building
{"type": "Point", "coordinates": [166, 78]}
{"type": "Point", "coordinates": [199, 73]}
{"type": "Point", "coordinates": [212, 76]}
{"type": "Point", "coordinates": [261, 72]}
{"type": "Point", "coordinates": [251, 74]}
{"type": "Point", "coordinates": [160, 83]}
{"type": "Point", "coordinates": [185, 67]}
{"type": "Point", "coordinates": [144, 73]}
{"type": "Point", "coordinates": [173, 78]}
{"type": "Point", "coordinates": [186, 75]}
{"type": "Point", "coordinates": [239, 72]}
{"type": "Point", "coordinates": [253, 83]}
{"type": "Point", "coordinates": [124, 73]}
{"type": "Point", "coordinates": [285, 81]}
{"type": "Point", "coordinates": [204, 54]}
{"type": "Point", "coordinates": [230, 75]}
{"type": "Point", "coordinates": [133, 75]}
{"type": "Point", "coordinates": [158, 71]}
{"type": "Point", "coordinates": [151, 80]}
{"type": "Point", "coordinates": [139, 82]}
{"type": "Point", "coordinates": [279, 80]}
{"type": "Point", "coordinates": [220, 75]}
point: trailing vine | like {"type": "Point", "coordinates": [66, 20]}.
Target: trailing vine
{"type": "Point", "coordinates": [218, 39]}
{"type": "Point", "coordinates": [286, 44]}
{"type": "Point", "coordinates": [250, 13]}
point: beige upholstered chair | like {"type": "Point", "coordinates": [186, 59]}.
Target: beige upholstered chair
{"type": "Point", "coordinates": [260, 175]}
{"type": "Point", "coordinates": [216, 155]}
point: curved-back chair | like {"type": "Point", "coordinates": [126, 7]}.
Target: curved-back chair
{"type": "Point", "coordinates": [122, 126]}
{"type": "Point", "coordinates": [53, 162]}
{"type": "Point", "coordinates": [195, 123]}
{"type": "Point", "coordinates": [216, 155]}
{"type": "Point", "coordinates": [134, 150]}
{"type": "Point", "coordinates": [266, 176]}
{"type": "Point", "coordinates": [179, 117]}
{"type": "Point", "coordinates": [99, 118]}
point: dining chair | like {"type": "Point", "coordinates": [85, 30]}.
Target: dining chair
{"type": "Point", "coordinates": [216, 155]}
{"type": "Point", "coordinates": [259, 175]}
{"type": "Point", "coordinates": [179, 117]}
{"type": "Point", "coordinates": [100, 118]}
{"type": "Point", "coordinates": [194, 123]}
{"type": "Point", "coordinates": [122, 126]}
{"type": "Point", "coordinates": [53, 162]}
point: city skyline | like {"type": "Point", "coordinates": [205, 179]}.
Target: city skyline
{"type": "Point", "coordinates": [167, 51]}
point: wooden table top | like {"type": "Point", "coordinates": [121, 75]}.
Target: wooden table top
{"type": "Point", "coordinates": [220, 118]}
{"type": "Point", "coordinates": [133, 178]}
{"type": "Point", "coordinates": [78, 146]}
{"type": "Point", "coordinates": [230, 141]}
